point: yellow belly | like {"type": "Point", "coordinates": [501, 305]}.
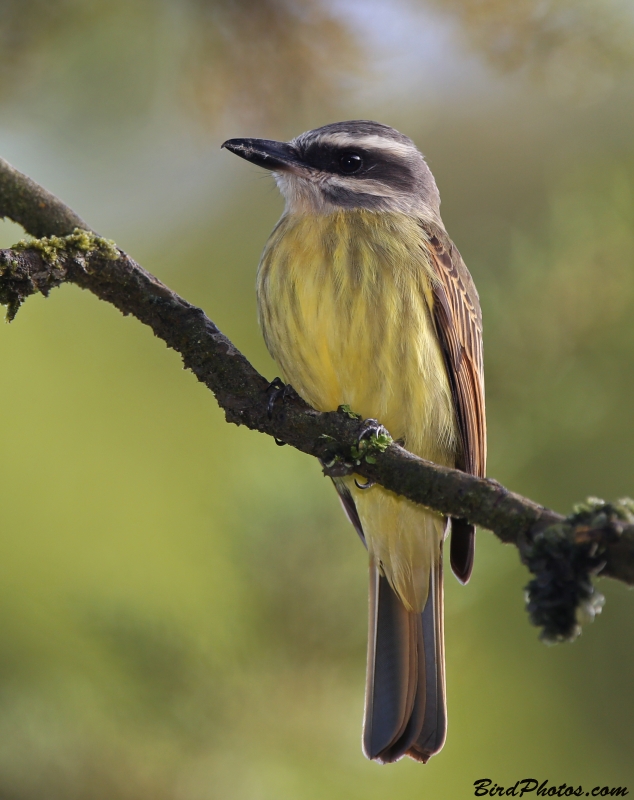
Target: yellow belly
{"type": "Point", "coordinates": [345, 304]}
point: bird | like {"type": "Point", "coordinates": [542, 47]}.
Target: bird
{"type": "Point", "coordinates": [364, 301]}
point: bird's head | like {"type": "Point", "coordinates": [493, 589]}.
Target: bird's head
{"type": "Point", "coordinates": [347, 165]}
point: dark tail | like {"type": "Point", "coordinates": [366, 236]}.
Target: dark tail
{"type": "Point", "coordinates": [405, 711]}
{"type": "Point", "coordinates": [462, 548]}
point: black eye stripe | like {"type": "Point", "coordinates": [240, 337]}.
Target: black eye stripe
{"type": "Point", "coordinates": [395, 171]}
{"type": "Point", "coordinates": [338, 160]}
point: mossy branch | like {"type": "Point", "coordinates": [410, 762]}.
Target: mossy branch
{"type": "Point", "coordinates": [563, 553]}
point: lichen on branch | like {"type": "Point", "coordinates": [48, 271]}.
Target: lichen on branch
{"type": "Point", "coordinates": [79, 241]}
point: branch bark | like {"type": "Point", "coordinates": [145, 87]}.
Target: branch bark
{"type": "Point", "coordinates": [605, 534]}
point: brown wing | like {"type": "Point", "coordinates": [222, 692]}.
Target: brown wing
{"type": "Point", "coordinates": [459, 326]}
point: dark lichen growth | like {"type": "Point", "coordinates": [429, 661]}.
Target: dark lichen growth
{"type": "Point", "coordinates": [563, 558]}
{"type": "Point", "coordinates": [17, 282]}
{"type": "Point", "coordinates": [12, 301]}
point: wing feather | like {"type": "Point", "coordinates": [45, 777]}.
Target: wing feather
{"type": "Point", "coordinates": [458, 320]}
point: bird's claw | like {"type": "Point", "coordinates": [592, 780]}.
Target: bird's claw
{"type": "Point", "coordinates": [372, 427]}
{"type": "Point", "coordinates": [367, 485]}
{"type": "Point", "coordinates": [274, 390]}
{"type": "Point", "coordinates": [278, 390]}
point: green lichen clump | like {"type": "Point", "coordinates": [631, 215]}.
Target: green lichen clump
{"type": "Point", "coordinates": [79, 241]}
{"type": "Point", "coordinates": [367, 448]}
{"type": "Point", "coordinates": [17, 279]}
{"type": "Point", "coordinates": [345, 409]}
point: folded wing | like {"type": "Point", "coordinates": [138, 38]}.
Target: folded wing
{"type": "Point", "coordinates": [458, 322]}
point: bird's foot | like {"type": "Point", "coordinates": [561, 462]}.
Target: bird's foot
{"type": "Point", "coordinates": [373, 428]}
{"type": "Point", "coordinates": [373, 439]}
{"type": "Point", "coordinates": [274, 391]}
{"type": "Point", "coordinates": [278, 390]}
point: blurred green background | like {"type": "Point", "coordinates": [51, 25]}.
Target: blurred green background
{"type": "Point", "coordinates": [182, 604]}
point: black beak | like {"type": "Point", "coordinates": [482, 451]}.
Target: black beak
{"type": "Point", "coordinates": [265, 153]}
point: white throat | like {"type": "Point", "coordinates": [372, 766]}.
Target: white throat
{"type": "Point", "coordinates": [308, 196]}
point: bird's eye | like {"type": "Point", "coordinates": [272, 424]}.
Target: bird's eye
{"type": "Point", "coordinates": [350, 162]}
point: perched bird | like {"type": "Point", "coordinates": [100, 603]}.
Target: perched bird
{"type": "Point", "coordinates": [364, 300]}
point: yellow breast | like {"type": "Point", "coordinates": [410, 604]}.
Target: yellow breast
{"type": "Point", "coordinates": [345, 303]}
{"type": "Point", "coordinates": [345, 306]}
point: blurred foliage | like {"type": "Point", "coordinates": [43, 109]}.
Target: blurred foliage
{"type": "Point", "coordinates": [574, 46]}
{"type": "Point", "coordinates": [577, 281]}
{"type": "Point", "coordinates": [267, 56]}
{"type": "Point", "coordinates": [253, 58]}
{"type": "Point", "coordinates": [182, 604]}
{"type": "Point", "coordinates": [261, 61]}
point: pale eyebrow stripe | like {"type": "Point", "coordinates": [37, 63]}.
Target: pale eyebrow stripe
{"type": "Point", "coordinates": [369, 141]}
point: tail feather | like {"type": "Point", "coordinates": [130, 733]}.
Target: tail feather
{"type": "Point", "coordinates": [462, 548]}
{"type": "Point", "coordinates": [405, 690]}
{"type": "Point", "coordinates": [392, 660]}
{"type": "Point", "coordinates": [434, 729]}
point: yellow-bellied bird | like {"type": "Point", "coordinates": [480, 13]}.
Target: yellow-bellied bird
{"type": "Point", "coordinates": [364, 300]}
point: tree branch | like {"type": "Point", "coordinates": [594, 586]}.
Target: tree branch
{"type": "Point", "coordinates": [39, 212]}
{"type": "Point", "coordinates": [562, 552]}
